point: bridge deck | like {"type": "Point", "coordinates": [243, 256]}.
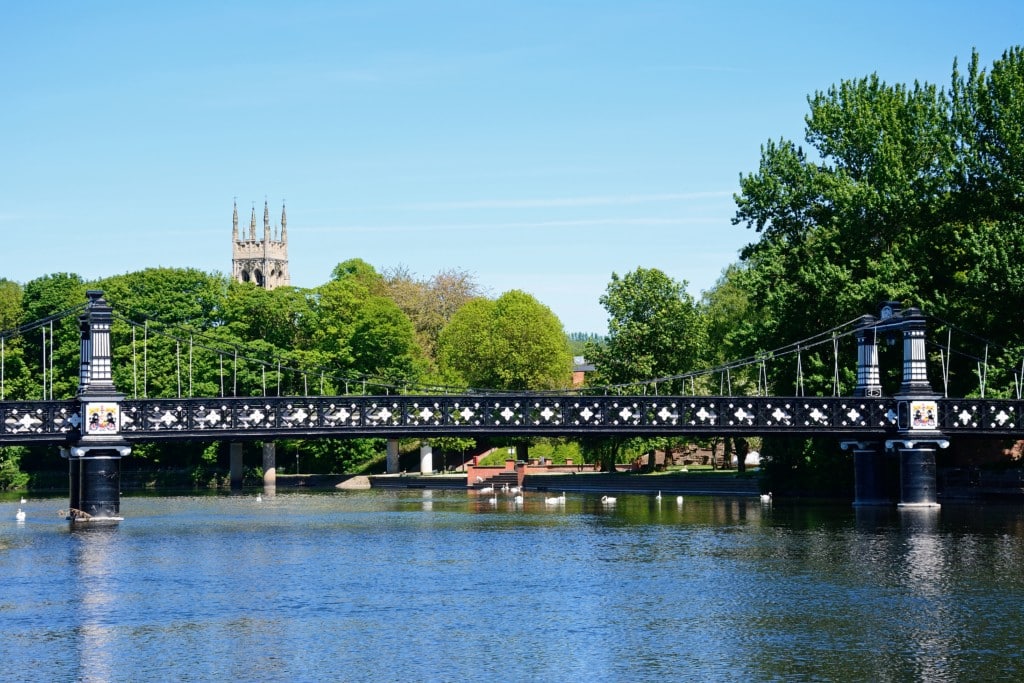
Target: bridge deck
{"type": "Point", "coordinates": [143, 420]}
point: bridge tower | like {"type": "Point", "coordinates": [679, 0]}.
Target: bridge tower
{"type": "Point", "coordinates": [916, 420]}
{"type": "Point", "coordinates": [870, 471]}
{"type": "Point", "coordinates": [94, 459]}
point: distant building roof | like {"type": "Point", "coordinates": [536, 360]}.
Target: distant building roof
{"type": "Point", "coordinates": [580, 364]}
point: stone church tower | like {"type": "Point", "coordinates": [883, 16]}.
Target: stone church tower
{"type": "Point", "coordinates": [264, 261]}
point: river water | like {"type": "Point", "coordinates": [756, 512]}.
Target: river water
{"type": "Point", "coordinates": [450, 586]}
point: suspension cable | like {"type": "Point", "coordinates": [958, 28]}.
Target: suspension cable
{"type": "Point", "coordinates": [799, 373]}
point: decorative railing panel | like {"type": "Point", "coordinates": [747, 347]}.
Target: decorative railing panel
{"type": "Point", "coordinates": [31, 421]}
{"type": "Point", "coordinates": [520, 414]}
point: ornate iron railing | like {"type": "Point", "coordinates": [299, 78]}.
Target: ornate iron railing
{"type": "Point", "coordinates": [25, 422]}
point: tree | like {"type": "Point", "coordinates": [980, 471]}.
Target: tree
{"type": "Point", "coordinates": [908, 193]}
{"type": "Point", "coordinates": [430, 304]}
{"type": "Point", "coordinates": [911, 194]}
{"type": "Point", "coordinates": [361, 333]}
{"type": "Point", "coordinates": [46, 296]}
{"type": "Point", "coordinates": [514, 343]}
{"type": "Point", "coordinates": [654, 331]}
{"type": "Point", "coordinates": [14, 381]}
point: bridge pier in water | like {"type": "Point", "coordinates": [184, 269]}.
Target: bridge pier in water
{"type": "Point", "coordinates": [237, 470]}
{"type": "Point", "coordinates": [917, 476]}
{"type": "Point", "coordinates": [870, 473]}
{"type": "Point", "coordinates": [95, 483]}
{"type": "Point", "coordinates": [392, 457]}
{"type": "Point", "coordinates": [426, 459]}
{"type": "Point", "coordinates": [94, 461]}
{"type": "Point", "coordinates": [269, 465]}
{"type": "Point", "coordinates": [917, 419]}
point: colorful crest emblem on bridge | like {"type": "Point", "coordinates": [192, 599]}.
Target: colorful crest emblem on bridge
{"type": "Point", "coordinates": [102, 418]}
{"type": "Point", "coordinates": [923, 414]}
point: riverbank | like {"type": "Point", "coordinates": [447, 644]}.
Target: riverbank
{"type": "Point", "coordinates": [723, 484]}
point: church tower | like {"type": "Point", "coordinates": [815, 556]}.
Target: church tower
{"type": "Point", "coordinates": [261, 261]}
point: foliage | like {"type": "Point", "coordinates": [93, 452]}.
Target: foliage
{"type": "Point", "coordinates": [654, 331]}
{"type": "Point", "coordinates": [912, 194]}
{"type": "Point", "coordinates": [513, 343]}
{"type": "Point", "coordinates": [15, 381]}
{"type": "Point", "coordinates": [11, 476]}
{"type": "Point", "coordinates": [557, 451]}
{"type": "Point", "coordinates": [454, 445]}
{"type": "Point", "coordinates": [430, 304]}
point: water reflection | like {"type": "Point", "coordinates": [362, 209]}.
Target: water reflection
{"type": "Point", "coordinates": [443, 585]}
{"type": "Point", "coordinates": [93, 556]}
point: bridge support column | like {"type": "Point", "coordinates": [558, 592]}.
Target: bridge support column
{"type": "Point", "coordinates": [917, 476]}
{"type": "Point", "coordinates": [870, 480]}
{"type": "Point", "coordinates": [426, 459]}
{"type": "Point", "coordinates": [237, 471]}
{"type": "Point", "coordinates": [95, 483]}
{"type": "Point", "coordinates": [94, 459]}
{"type": "Point", "coordinates": [269, 464]}
{"type": "Point", "coordinates": [392, 457]}
{"type": "Point", "coordinates": [917, 417]}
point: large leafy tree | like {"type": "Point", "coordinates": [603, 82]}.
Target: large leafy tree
{"type": "Point", "coordinates": [654, 331]}
{"type": "Point", "coordinates": [908, 193]}
{"type": "Point", "coordinates": [163, 319]}
{"type": "Point", "coordinates": [904, 192]}
{"type": "Point", "coordinates": [14, 375]}
{"type": "Point", "coordinates": [46, 296]}
{"type": "Point", "coordinates": [361, 333]}
{"type": "Point", "coordinates": [514, 342]}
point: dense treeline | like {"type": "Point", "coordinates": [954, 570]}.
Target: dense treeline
{"type": "Point", "coordinates": [912, 193]}
{"type": "Point", "coordinates": [183, 332]}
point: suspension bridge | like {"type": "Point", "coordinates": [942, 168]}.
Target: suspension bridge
{"type": "Point", "coordinates": [97, 427]}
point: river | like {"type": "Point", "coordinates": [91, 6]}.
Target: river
{"type": "Point", "coordinates": [450, 586]}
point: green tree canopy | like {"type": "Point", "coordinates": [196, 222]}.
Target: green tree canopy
{"type": "Point", "coordinates": [909, 193]}
{"type": "Point", "coordinates": [514, 342]}
{"type": "Point", "coordinates": [654, 330]}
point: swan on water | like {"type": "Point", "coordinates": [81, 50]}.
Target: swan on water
{"type": "Point", "coordinates": [23, 501]}
{"type": "Point", "coordinates": [658, 497]}
{"type": "Point", "coordinates": [487, 489]}
{"type": "Point", "coordinates": [679, 500]}
{"type": "Point", "coordinates": [20, 515]}
{"type": "Point", "coordinates": [259, 498]}
{"type": "Point", "coordinates": [608, 500]}
{"type": "Point", "coordinates": [766, 497]}
{"type": "Point", "coordinates": [518, 499]}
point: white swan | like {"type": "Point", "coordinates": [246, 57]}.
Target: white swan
{"type": "Point", "coordinates": [518, 499]}
{"type": "Point", "coordinates": [20, 515]}
{"type": "Point", "coordinates": [23, 501]}
{"type": "Point", "coordinates": [679, 500]}
{"type": "Point", "coordinates": [608, 500]}
{"type": "Point", "coordinates": [766, 497]}
{"type": "Point", "coordinates": [658, 497]}
{"type": "Point", "coordinates": [259, 498]}
{"type": "Point", "coordinates": [487, 489]}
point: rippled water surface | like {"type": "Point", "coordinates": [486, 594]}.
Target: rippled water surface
{"type": "Point", "coordinates": [448, 586]}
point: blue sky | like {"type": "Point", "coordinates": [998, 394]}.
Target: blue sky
{"type": "Point", "coordinates": [538, 145]}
